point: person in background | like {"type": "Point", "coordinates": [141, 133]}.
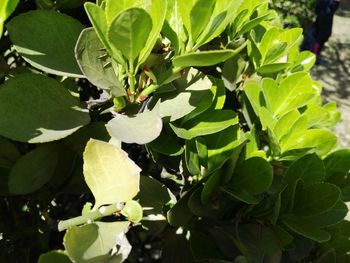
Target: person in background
{"type": "Point", "coordinates": [322, 28]}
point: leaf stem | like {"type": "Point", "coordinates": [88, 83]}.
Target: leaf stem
{"type": "Point", "coordinates": [88, 217]}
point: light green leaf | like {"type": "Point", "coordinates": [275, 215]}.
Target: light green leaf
{"type": "Point", "coordinates": [6, 9]}
{"type": "Point", "coordinates": [192, 158]}
{"type": "Point", "coordinates": [141, 129]}
{"type": "Point", "coordinates": [205, 58]}
{"type": "Point", "coordinates": [252, 91]}
{"type": "Point", "coordinates": [25, 96]}
{"type": "Point", "coordinates": [272, 68]}
{"type": "Point", "coordinates": [209, 122]}
{"type": "Point", "coordinates": [284, 123]}
{"type": "Point", "coordinates": [113, 8]}
{"type": "Point", "coordinates": [320, 141]}
{"type": "Point", "coordinates": [111, 176]}
{"type": "Point", "coordinates": [304, 61]}
{"type": "Point", "coordinates": [92, 243]}
{"type": "Point", "coordinates": [132, 211]}
{"type": "Point", "coordinates": [200, 15]}
{"type": "Point", "coordinates": [98, 19]}
{"type": "Point", "coordinates": [55, 256]}
{"type": "Point", "coordinates": [42, 39]}
{"type": "Point", "coordinates": [89, 56]}
{"type": "Point", "coordinates": [126, 35]}
{"type": "Point", "coordinates": [254, 175]}
{"type": "Point", "coordinates": [33, 170]}
{"type": "Point", "coordinates": [306, 229]}
{"type": "Point", "coordinates": [191, 90]}
{"type": "Point", "coordinates": [315, 198]}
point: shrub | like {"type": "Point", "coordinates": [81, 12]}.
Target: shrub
{"type": "Point", "coordinates": [218, 95]}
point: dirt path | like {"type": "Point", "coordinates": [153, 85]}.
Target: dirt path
{"type": "Point", "coordinates": [335, 74]}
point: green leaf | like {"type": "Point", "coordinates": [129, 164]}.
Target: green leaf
{"type": "Point", "coordinates": [222, 146]}
{"type": "Point", "coordinates": [272, 68]}
{"type": "Point", "coordinates": [141, 129]}
{"type": "Point", "coordinates": [192, 158]}
{"type": "Point", "coordinates": [309, 168]}
{"type": "Point", "coordinates": [92, 243]}
{"type": "Point", "coordinates": [284, 123]}
{"type": "Point", "coordinates": [320, 141]}
{"type": "Point", "coordinates": [126, 35]}
{"type": "Point", "coordinates": [200, 15]}
{"type": "Point", "coordinates": [190, 91]}
{"type": "Point", "coordinates": [180, 214]}
{"type": "Point", "coordinates": [44, 48]}
{"type": "Point", "coordinates": [209, 122]}
{"type": "Point", "coordinates": [6, 9]}
{"type": "Point", "coordinates": [25, 96]}
{"type": "Point", "coordinates": [33, 170]}
{"type": "Point", "coordinates": [92, 63]}
{"type": "Point", "coordinates": [111, 176]}
{"type": "Point", "coordinates": [241, 195]}
{"type": "Point", "coordinates": [304, 61]}
{"type": "Point", "coordinates": [55, 256]}
{"type": "Point", "coordinates": [337, 166]}
{"type": "Point", "coordinates": [211, 186]}
{"type": "Point", "coordinates": [8, 153]}
{"type": "Point", "coordinates": [232, 71]}
{"type": "Point", "coordinates": [315, 198]}
{"type": "Point", "coordinates": [132, 211]}
{"type": "Point", "coordinates": [306, 229]}
{"type": "Point", "coordinates": [254, 175]}
{"type": "Point", "coordinates": [205, 58]}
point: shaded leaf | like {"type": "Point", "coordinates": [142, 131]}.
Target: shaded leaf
{"type": "Point", "coordinates": [55, 256]}
{"type": "Point", "coordinates": [25, 96]}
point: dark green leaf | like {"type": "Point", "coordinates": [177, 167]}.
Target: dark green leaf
{"type": "Point", "coordinates": [26, 96]}
{"type": "Point", "coordinates": [33, 170]}
{"type": "Point", "coordinates": [42, 39]}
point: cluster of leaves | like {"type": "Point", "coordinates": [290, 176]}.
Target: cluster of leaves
{"type": "Point", "coordinates": [298, 13]}
{"type": "Point", "coordinates": [219, 95]}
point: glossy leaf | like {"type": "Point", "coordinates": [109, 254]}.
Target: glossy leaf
{"type": "Point", "coordinates": [191, 90]}
{"type": "Point", "coordinates": [92, 63]}
{"type": "Point", "coordinates": [25, 96]}
{"type": "Point", "coordinates": [33, 170]}
{"type": "Point", "coordinates": [141, 129]}
{"type": "Point", "coordinates": [126, 35]}
{"type": "Point", "coordinates": [93, 242]}
{"type": "Point", "coordinates": [321, 141]}
{"type": "Point", "coordinates": [205, 58]}
{"type": "Point", "coordinates": [111, 176]}
{"type": "Point", "coordinates": [42, 39]}
{"type": "Point", "coordinates": [208, 122]}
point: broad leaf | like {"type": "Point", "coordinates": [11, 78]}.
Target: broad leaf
{"type": "Point", "coordinates": [141, 129]}
{"type": "Point", "coordinates": [55, 256]}
{"type": "Point", "coordinates": [94, 242]}
{"type": "Point", "coordinates": [126, 35]}
{"type": "Point", "coordinates": [209, 122]}
{"type": "Point", "coordinates": [200, 15]}
{"type": "Point", "coordinates": [42, 39]}
{"type": "Point", "coordinates": [337, 166]}
{"type": "Point", "coordinates": [33, 170]}
{"type": "Point", "coordinates": [205, 58]}
{"type": "Point", "coordinates": [321, 141]}
{"type": "Point", "coordinates": [26, 96]}
{"type": "Point", "coordinates": [8, 153]}
{"type": "Point", "coordinates": [111, 176]}
{"type": "Point", "coordinates": [190, 91]}
{"type": "Point", "coordinates": [96, 64]}
{"type": "Point", "coordinates": [306, 229]}
{"type": "Point", "coordinates": [316, 198]}
{"type": "Point", "coordinates": [254, 175]}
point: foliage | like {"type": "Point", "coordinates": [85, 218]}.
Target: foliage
{"type": "Point", "coordinates": [218, 94]}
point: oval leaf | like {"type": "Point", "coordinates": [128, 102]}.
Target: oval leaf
{"type": "Point", "coordinates": [96, 64]}
{"type": "Point", "coordinates": [56, 256]}
{"type": "Point", "coordinates": [111, 176]}
{"type": "Point", "coordinates": [141, 129]}
{"type": "Point", "coordinates": [42, 39]}
{"type": "Point", "coordinates": [33, 170]}
{"type": "Point", "coordinates": [129, 32]}
{"type": "Point", "coordinates": [42, 110]}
